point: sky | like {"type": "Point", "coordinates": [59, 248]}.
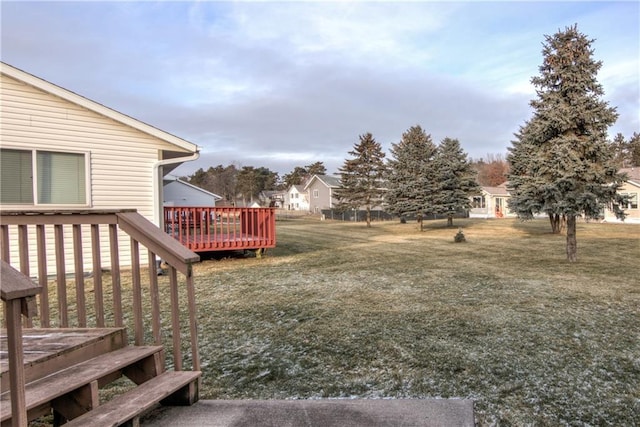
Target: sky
{"type": "Point", "coordinates": [286, 84]}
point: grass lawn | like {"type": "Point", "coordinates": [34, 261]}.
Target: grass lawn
{"type": "Point", "coordinates": [341, 311]}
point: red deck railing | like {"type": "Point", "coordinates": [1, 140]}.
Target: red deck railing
{"type": "Point", "coordinates": [203, 229]}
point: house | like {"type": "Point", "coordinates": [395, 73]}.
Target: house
{"type": "Point", "coordinates": [321, 191]}
{"type": "Point", "coordinates": [272, 198]}
{"type": "Point", "coordinates": [296, 198]}
{"type": "Point", "coordinates": [61, 151]}
{"type": "Point", "coordinates": [491, 203]}
{"type": "Point", "coordinates": [630, 188]}
{"type": "Point", "coordinates": [177, 192]}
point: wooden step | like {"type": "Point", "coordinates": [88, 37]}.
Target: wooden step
{"type": "Point", "coordinates": [74, 390]}
{"type": "Point", "coordinates": [172, 388]}
{"type": "Point", "coordinates": [49, 350]}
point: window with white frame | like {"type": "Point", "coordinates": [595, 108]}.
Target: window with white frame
{"type": "Point", "coordinates": [35, 177]}
{"type": "Point", "coordinates": [479, 202]}
{"type": "Point", "coordinates": [632, 202]}
{"type": "Point", "coordinates": [316, 194]}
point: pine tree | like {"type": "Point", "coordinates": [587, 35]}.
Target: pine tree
{"type": "Point", "coordinates": [634, 150]}
{"type": "Point", "coordinates": [362, 177]}
{"type": "Point", "coordinates": [564, 148]}
{"type": "Point", "coordinates": [529, 192]}
{"type": "Point", "coordinates": [455, 180]}
{"type": "Point", "coordinates": [317, 168]}
{"type": "Point", "coordinates": [411, 177]}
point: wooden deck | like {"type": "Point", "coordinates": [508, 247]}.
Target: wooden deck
{"type": "Point", "coordinates": [206, 229]}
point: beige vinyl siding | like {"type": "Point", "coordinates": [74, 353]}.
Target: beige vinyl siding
{"type": "Point", "coordinates": [121, 157]}
{"type": "Point", "coordinates": [633, 214]}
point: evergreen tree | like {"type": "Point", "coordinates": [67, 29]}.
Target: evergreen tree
{"type": "Point", "coordinates": [634, 150]}
{"type": "Point", "coordinates": [252, 181]}
{"type": "Point", "coordinates": [620, 149]}
{"type": "Point", "coordinates": [411, 177]}
{"type": "Point", "coordinates": [362, 177]}
{"type": "Point", "coordinates": [530, 194]}
{"type": "Point", "coordinates": [222, 180]}
{"type": "Point", "coordinates": [626, 153]}
{"type": "Point", "coordinates": [564, 146]}
{"type": "Point", "coordinates": [295, 177]}
{"type": "Point", "coordinates": [316, 168]}
{"type": "Point", "coordinates": [455, 180]}
{"type": "Point", "coordinates": [300, 174]}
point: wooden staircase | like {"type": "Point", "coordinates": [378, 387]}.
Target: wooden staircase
{"type": "Point", "coordinates": [68, 382]}
{"type": "Point", "coordinates": [64, 367]}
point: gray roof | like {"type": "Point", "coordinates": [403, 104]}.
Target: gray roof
{"type": "Point", "coordinates": [328, 180]}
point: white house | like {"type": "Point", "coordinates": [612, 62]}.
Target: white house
{"type": "Point", "coordinates": [62, 151]}
{"type": "Point", "coordinates": [296, 198]}
{"type": "Point", "coordinates": [491, 203]}
{"type": "Point", "coordinates": [177, 192]}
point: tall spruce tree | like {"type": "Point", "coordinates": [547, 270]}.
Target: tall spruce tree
{"type": "Point", "coordinates": [411, 176]}
{"type": "Point", "coordinates": [362, 176]}
{"type": "Point", "coordinates": [455, 180]}
{"type": "Point", "coordinates": [564, 146]}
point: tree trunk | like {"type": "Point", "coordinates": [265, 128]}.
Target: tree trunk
{"type": "Point", "coordinates": [368, 216]}
{"type": "Point", "coordinates": [572, 245]}
{"type": "Point", "coordinates": [554, 219]}
{"type": "Point", "coordinates": [449, 220]}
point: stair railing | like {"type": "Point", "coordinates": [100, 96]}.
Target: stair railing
{"type": "Point", "coordinates": [76, 254]}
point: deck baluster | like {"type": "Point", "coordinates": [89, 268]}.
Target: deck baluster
{"type": "Point", "coordinates": [78, 263]}
{"type": "Point", "coordinates": [97, 275]}
{"type": "Point", "coordinates": [63, 315]}
{"type": "Point", "coordinates": [175, 319]}
{"type": "Point", "coordinates": [155, 299]}
{"type": "Point", "coordinates": [115, 275]}
{"type": "Point", "coordinates": [42, 276]}
{"type": "Point", "coordinates": [137, 293]}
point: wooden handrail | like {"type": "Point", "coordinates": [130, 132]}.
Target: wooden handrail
{"type": "Point", "coordinates": [16, 285]}
{"type": "Point", "coordinates": [170, 250]}
{"type": "Point", "coordinates": [85, 242]}
{"type": "Point", "coordinates": [18, 292]}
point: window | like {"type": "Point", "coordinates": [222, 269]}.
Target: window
{"type": "Point", "coordinates": [478, 202]}
{"type": "Point", "coordinates": [43, 177]}
{"type": "Point", "coordinates": [316, 194]}
{"type": "Point", "coordinates": [633, 200]}
{"type": "Point", "coordinates": [16, 185]}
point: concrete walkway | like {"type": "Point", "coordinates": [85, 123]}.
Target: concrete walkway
{"type": "Point", "coordinates": [320, 413]}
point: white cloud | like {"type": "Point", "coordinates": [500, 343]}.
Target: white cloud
{"type": "Point", "coordinates": [293, 82]}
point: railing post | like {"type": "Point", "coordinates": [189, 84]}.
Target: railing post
{"type": "Point", "coordinates": [18, 292]}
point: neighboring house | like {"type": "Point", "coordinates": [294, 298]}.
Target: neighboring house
{"type": "Point", "coordinates": [61, 151]}
{"type": "Point", "coordinates": [630, 188]}
{"type": "Point", "coordinates": [296, 198]}
{"type": "Point", "coordinates": [180, 193]}
{"type": "Point", "coordinates": [321, 191]}
{"type": "Point", "coordinates": [491, 203]}
{"type": "Point", "coordinates": [272, 199]}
